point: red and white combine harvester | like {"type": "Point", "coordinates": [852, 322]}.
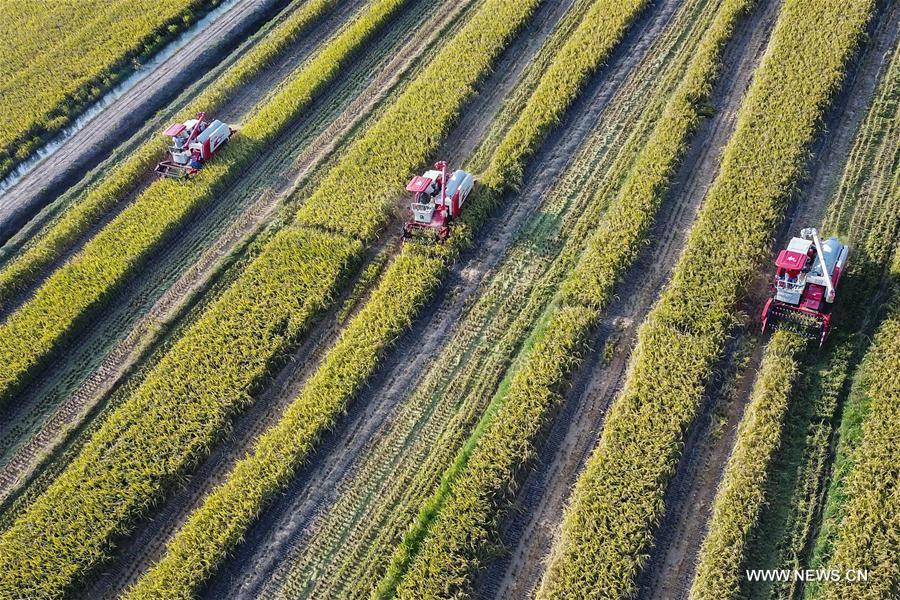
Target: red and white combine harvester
{"type": "Point", "coordinates": [808, 272]}
{"type": "Point", "coordinates": [193, 143]}
{"type": "Point", "coordinates": [438, 201]}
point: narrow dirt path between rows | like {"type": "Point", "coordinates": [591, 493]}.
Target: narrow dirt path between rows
{"type": "Point", "coordinates": [292, 519]}
{"type": "Point", "coordinates": [670, 570]}
{"type": "Point", "coordinates": [531, 527]}
{"type": "Point", "coordinates": [94, 141]}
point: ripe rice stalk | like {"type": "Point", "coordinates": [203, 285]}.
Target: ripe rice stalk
{"type": "Point", "coordinates": [618, 500]}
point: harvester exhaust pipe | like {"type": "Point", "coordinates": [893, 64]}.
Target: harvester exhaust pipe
{"type": "Point", "coordinates": [811, 233]}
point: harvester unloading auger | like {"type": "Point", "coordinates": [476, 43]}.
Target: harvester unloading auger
{"type": "Point", "coordinates": [805, 284]}
{"type": "Point", "coordinates": [193, 143]}
{"type": "Point", "coordinates": [438, 200]}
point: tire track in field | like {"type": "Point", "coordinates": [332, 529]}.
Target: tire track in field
{"type": "Point", "coordinates": [292, 519]}
{"type": "Point", "coordinates": [669, 572]}
{"type": "Point", "coordinates": [531, 526]}
{"type": "Point", "coordinates": [148, 544]}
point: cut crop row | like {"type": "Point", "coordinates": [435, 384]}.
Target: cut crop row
{"type": "Point", "coordinates": [740, 495]}
{"type": "Point", "coordinates": [59, 59]}
{"type": "Point", "coordinates": [47, 246]}
{"type": "Point", "coordinates": [409, 281]}
{"type": "Point", "coordinates": [209, 375]}
{"type": "Point", "coordinates": [618, 500]}
{"type": "Point", "coordinates": [80, 286]}
{"type": "Point", "coordinates": [458, 540]}
{"type": "Point", "coordinates": [351, 546]}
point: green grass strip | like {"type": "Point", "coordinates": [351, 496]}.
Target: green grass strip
{"type": "Point", "coordinates": [741, 492]}
{"type": "Point", "coordinates": [69, 295]}
{"type": "Point", "coordinates": [462, 533]}
{"type": "Point", "coordinates": [619, 498]}
{"type": "Point", "coordinates": [22, 270]}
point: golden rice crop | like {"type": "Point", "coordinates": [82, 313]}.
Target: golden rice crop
{"type": "Point", "coordinates": [618, 499]}
{"type": "Point", "coordinates": [24, 268]}
{"type": "Point", "coordinates": [457, 542]}
{"type": "Point", "coordinates": [59, 58]}
{"type": "Point", "coordinates": [172, 418]}
{"type": "Point", "coordinates": [89, 504]}
{"type": "Point", "coordinates": [31, 333]}
{"type": "Point", "coordinates": [742, 489]}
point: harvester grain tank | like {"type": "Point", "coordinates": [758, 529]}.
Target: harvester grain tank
{"type": "Point", "coordinates": [438, 200]}
{"type": "Point", "coordinates": [807, 274]}
{"type": "Point", "coordinates": [193, 143]}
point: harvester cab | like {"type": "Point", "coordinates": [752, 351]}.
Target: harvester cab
{"type": "Point", "coordinates": [193, 143]}
{"type": "Point", "coordinates": [438, 199]}
{"type": "Point", "coordinates": [804, 288]}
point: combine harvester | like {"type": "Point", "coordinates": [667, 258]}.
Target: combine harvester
{"type": "Point", "coordinates": [193, 143]}
{"type": "Point", "coordinates": [437, 202]}
{"type": "Point", "coordinates": [808, 272]}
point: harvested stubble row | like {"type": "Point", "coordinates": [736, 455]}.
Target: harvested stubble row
{"type": "Point", "coordinates": [59, 59]}
{"type": "Point", "coordinates": [80, 286]}
{"type": "Point", "coordinates": [214, 528]}
{"type": "Point", "coordinates": [868, 534]}
{"type": "Point", "coordinates": [742, 489]}
{"type": "Point", "coordinates": [461, 535]}
{"type": "Point", "coordinates": [23, 269]}
{"type": "Point", "coordinates": [111, 484]}
{"type": "Point", "coordinates": [619, 498]}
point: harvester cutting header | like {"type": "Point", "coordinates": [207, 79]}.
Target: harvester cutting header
{"type": "Point", "coordinates": [805, 283]}
{"type": "Point", "coordinates": [193, 143]}
{"type": "Point", "coordinates": [438, 200]}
